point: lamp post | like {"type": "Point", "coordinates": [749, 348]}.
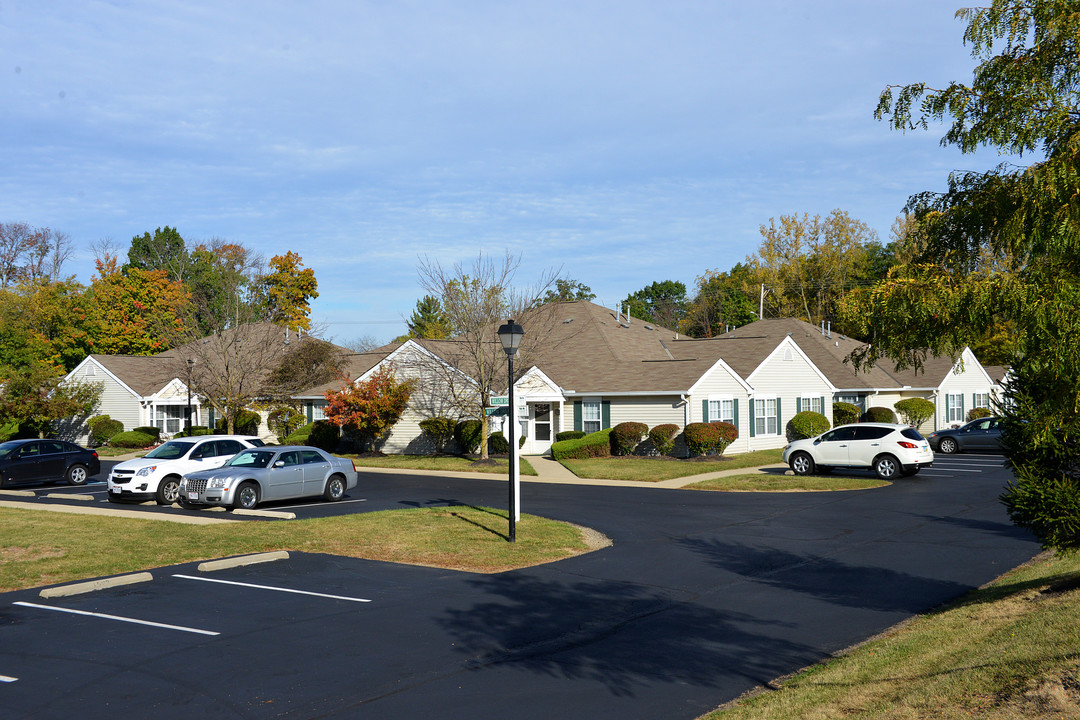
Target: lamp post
{"type": "Point", "coordinates": [187, 422]}
{"type": "Point", "coordinates": [510, 337]}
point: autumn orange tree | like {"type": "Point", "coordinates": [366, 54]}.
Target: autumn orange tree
{"type": "Point", "coordinates": [132, 311]}
{"type": "Point", "coordinates": [288, 288]}
{"type": "Point", "coordinates": [369, 407]}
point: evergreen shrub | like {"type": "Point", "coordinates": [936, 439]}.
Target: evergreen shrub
{"type": "Point", "coordinates": [806, 424]}
{"type": "Point", "coordinates": [597, 444]}
{"type": "Point", "coordinates": [663, 438]}
{"type": "Point", "coordinates": [626, 436]}
{"type": "Point", "coordinates": [915, 411]}
{"type": "Point", "coordinates": [132, 439]}
{"type": "Point", "coordinates": [467, 436]}
{"type": "Point", "coordinates": [878, 415]}
{"type": "Point", "coordinates": [845, 413]}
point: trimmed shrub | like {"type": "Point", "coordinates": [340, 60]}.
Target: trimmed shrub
{"type": "Point", "coordinates": [597, 444]}
{"type": "Point", "coordinates": [102, 428]}
{"type": "Point", "coordinates": [701, 437]}
{"type": "Point", "coordinates": [569, 435]}
{"type": "Point", "coordinates": [806, 424]}
{"type": "Point", "coordinates": [132, 439]}
{"type": "Point", "coordinates": [467, 436]}
{"type": "Point", "coordinates": [246, 423]}
{"type": "Point", "coordinates": [626, 436]}
{"type": "Point", "coordinates": [196, 431]}
{"type": "Point", "coordinates": [878, 415]}
{"type": "Point", "coordinates": [284, 421]}
{"type": "Point", "coordinates": [324, 435]}
{"type": "Point", "coordinates": [726, 434]}
{"type": "Point", "coordinates": [976, 413]}
{"type": "Point", "coordinates": [845, 413]}
{"type": "Point", "coordinates": [915, 411]}
{"type": "Point", "coordinates": [498, 444]}
{"type": "Point", "coordinates": [299, 436]}
{"type": "Point", "coordinates": [663, 438]}
{"type": "Point", "coordinates": [148, 430]}
{"type": "Point", "coordinates": [439, 429]}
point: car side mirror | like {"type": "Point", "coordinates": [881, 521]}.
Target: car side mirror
{"type": "Point", "coordinates": [279, 463]}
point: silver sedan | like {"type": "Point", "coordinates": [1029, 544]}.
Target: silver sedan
{"type": "Point", "coordinates": [258, 474]}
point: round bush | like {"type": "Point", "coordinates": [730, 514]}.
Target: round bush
{"type": "Point", "coordinates": [467, 435]}
{"type": "Point", "coordinates": [132, 439]}
{"type": "Point", "coordinates": [878, 415]}
{"type": "Point", "coordinates": [806, 424]}
{"type": "Point", "coordinates": [497, 444]}
{"type": "Point", "coordinates": [284, 421]}
{"type": "Point", "coordinates": [324, 435]}
{"type": "Point", "coordinates": [915, 411]}
{"type": "Point", "coordinates": [726, 433]}
{"type": "Point", "coordinates": [626, 436]}
{"type": "Point", "coordinates": [439, 429]}
{"type": "Point", "coordinates": [299, 436]}
{"type": "Point", "coordinates": [845, 413]}
{"type": "Point", "coordinates": [663, 438]}
{"type": "Point", "coordinates": [196, 431]}
{"type": "Point", "coordinates": [701, 437]}
{"type": "Point", "coordinates": [149, 430]}
{"type": "Point", "coordinates": [976, 413]}
{"type": "Point", "coordinates": [102, 428]}
{"type": "Point", "coordinates": [569, 435]}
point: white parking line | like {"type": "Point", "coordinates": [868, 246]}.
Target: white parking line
{"type": "Point", "coordinates": [270, 587]}
{"type": "Point", "coordinates": [954, 470]}
{"type": "Point", "coordinates": [5, 678]}
{"type": "Point", "coordinates": [117, 618]}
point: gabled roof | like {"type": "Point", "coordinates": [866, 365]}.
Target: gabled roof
{"type": "Point", "coordinates": [144, 375]}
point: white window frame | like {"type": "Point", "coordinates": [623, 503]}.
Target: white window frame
{"type": "Point", "coordinates": [318, 411]}
{"type": "Point", "coordinates": [980, 400]}
{"type": "Point", "coordinates": [168, 422]}
{"type": "Point", "coordinates": [954, 407]}
{"type": "Point", "coordinates": [588, 423]}
{"type": "Point", "coordinates": [722, 408]}
{"type": "Point", "coordinates": [813, 403]}
{"type": "Point", "coordinates": [765, 423]}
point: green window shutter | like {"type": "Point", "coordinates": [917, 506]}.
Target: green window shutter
{"type": "Point", "coordinates": [310, 407]}
{"type": "Point", "coordinates": [823, 407]}
{"type": "Point", "coordinates": [577, 416]}
{"type": "Point", "coordinates": [753, 429]}
{"type": "Point", "coordinates": [705, 410]}
{"type": "Point", "coordinates": [211, 417]}
{"type": "Point", "coordinates": [962, 416]}
{"type": "Point", "coordinates": [605, 414]}
{"type": "Point", "coordinates": [798, 404]}
{"type": "Point", "coordinates": [779, 419]}
{"type": "Point", "coordinates": [735, 413]}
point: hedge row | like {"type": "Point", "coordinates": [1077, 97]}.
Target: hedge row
{"type": "Point", "coordinates": [625, 438]}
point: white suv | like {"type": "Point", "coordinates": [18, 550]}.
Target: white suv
{"type": "Point", "coordinates": [157, 474]}
{"type": "Point", "coordinates": [890, 450]}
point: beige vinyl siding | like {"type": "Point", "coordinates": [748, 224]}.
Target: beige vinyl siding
{"type": "Point", "coordinates": [116, 401]}
{"type": "Point", "coordinates": [787, 376]}
{"type": "Point", "coordinates": [652, 411]}
{"type": "Point", "coordinates": [969, 381]}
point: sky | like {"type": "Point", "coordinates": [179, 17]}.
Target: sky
{"type": "Point", "coordinates": [617, 142]}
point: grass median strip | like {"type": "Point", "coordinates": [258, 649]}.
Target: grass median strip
{"type": "Point", "coordinates": [44, 548]}
{"type": "Point", "coordinates": [439, 463]}
{"type": "Point", "coordinates": [778, 482]}
{"type": "Point", "coordinates": [653, 469]}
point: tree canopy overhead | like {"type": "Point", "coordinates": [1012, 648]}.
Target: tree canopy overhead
{"type": "Point", "coordinates": [1003, 244]}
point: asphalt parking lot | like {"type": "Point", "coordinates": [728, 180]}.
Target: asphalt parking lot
{"type": "Point", "coordinates": [701, 596]}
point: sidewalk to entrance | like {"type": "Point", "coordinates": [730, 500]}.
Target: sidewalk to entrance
{"type": "Point", "coordinates": [552, 471]}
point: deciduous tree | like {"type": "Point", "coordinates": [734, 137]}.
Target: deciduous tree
{"type": "Point", "coordinates": [370, 407]}
{"type": "Point", "coordinates": [134, 311]}
{"type": "Point", "coordinates": [663, 303]}
{"type": "Point", "coordinates": [1024, 98]}
{"type": "Point", "coordinates": [288, 289]}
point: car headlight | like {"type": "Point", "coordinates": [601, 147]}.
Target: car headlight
{"type": "Point", "coordinates": [219, 482]}
{"type": "Point", "coordinates": [143, 472]}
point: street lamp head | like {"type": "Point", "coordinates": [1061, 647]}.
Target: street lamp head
{"type": "Point", "coordinates": [510, 336]}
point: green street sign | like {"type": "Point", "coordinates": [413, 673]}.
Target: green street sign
{"type": "Point", "coordinates": [497, 411]}
{"type": "Point", "coordinates": [500, 400]}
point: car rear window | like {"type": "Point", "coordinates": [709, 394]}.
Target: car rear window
{"type": "Point", "coordinates": [911, 434]}
{"type": "Point", "coordinates": [871, 433]}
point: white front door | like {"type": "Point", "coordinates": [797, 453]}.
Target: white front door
{"type": "Point", "coordinates": [541, 430]}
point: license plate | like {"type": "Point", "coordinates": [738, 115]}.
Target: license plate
{"type": "Point", "coordinates": [115, 491]}
{"type": "Point", "coordinates": [193, 496]}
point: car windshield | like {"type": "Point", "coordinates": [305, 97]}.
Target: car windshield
{"type": "Point", "coordinates": [170, 450]}
{"type": "Point", "coordinates": [251, 458]}
{"type": "Point", "coordinates": [6, 448]}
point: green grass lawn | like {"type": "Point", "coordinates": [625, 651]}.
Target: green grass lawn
{"type": "Point", "coordinates": [45, 548]}
{"type": "Point", "coordinates": [454, 463]}
{"type": "Point", "coordinates": [1009, 651]}
{"type": "Point", "coordinates": [778, 482]}
{"type": "Point", "coordinates": [646, 469]}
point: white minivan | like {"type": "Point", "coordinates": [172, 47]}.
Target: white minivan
{"type": "Point", "coordinates": [156, 475]}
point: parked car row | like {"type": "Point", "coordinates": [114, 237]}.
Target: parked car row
{"type": "Point", "coordinates": [231, 470]}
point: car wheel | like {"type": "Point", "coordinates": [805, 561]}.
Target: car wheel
{"type": "Point", "coordinates": [247, 496]}
{"type": "Point", "coordinates": [802, 463]}
{"type": "Point", "coordinates": [168, 490]}
{"type": "Point", "coordinates": [335, 488]}
{"type": "Point", "coordinates": [948, 446]}
{"type": "Point", "coordinates": [76, 475]}
{"type": "Point", "coordinates": [887, 467]}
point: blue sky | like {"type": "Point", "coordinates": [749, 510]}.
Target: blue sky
{"type": "Point", "coordinates": [624, 142]}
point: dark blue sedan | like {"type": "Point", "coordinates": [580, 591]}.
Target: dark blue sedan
{"type": "Point", "coordinates": [981, 434]}
{"type": "Point", "coordinates": [27, 461]}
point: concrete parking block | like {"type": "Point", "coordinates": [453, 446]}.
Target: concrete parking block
{"type": "Point", "coordinates": [92, 585]}
{"type": "Point", "coordinates": [67, 496]}
{"type": "Point", "coordinates": [242, 560]}
{"type": "Point", "coordinates": [18, 493]}
{"type": "Point", "coordinates": [266, 514]}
